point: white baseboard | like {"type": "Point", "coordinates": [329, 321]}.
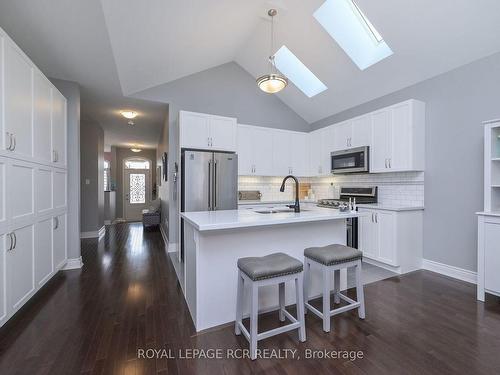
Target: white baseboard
{"type": "Point", "coordinates": [451, 271]}
{"type": "Point", "coordinates": [107, 222]}
{"type": "Point", "coordinates": [172, 247]}
{"type": "Point", "coordinates": [73, 264]}
{"type": "Point", "coordinates": [94, 234]}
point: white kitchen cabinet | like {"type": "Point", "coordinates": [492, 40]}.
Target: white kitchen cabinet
{"type": "Point", "coordinates": [20, 192]}
{"type": "Point", "coordinates": [43, 190]}
{"type": "Point", "coordinates": [299, 149]}
{"type": "Point", "coordinates": [42, 118]}
{"type": "Point", "coordinates": [19, 267]}
{"type": "Point", "coordinates": [60, 241]}
{"type": "Point", "coordinates": [398, 136]}
{"type": "Point", "coordinates": [18, 102]}
{"type": "Point", "coordinates": [488, 254]}
{"type": "Point", "coordinates": [207, 132]}
{"type": "Point", "coordinates": [4, 142]}
{"type": "Point", "coordinates": [320, 147]}
{"type": "Point", "coordinates": [282, 157]}
{"type": "Point", "coordinates": [392, 239]}
{"type": "Point", "coordinates": [255, 151]}
{"type": "Point", "coordinates": [59, 188]}
{"type": "Point", "coordinates": [361, 131]}
{"type": "Point", "coordinates": [3, 194]}
{"type": "Point", "coordinates": [4, 242]}
{"type": "Point", "coordinates": [59, 128]}
{"type": "Point", "coordinates": [43, 251]}
{"type": "Point", "coordinates": [342, 135]}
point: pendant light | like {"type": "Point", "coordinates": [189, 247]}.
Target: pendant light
{"type": "Point", "coordinates": [274, 81]}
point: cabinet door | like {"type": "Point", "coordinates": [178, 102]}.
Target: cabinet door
{"type": "Point", "coordinates": [4, 141]}
{"type": "Point", "coordinates": [381, 137]}
{"type": "Point", "coordinates": [342, 134]}
{"type": "Point", "coordinates": [59, 127]}
{"type": "Point", "coordinates": [361, 131]}
{"type": "Point", "coordinates": [401, 140]}
{"type": "Point", "coordinates": [245, 150]}
{"type": "Point", "coordinates": [20, 185]}
{"type": "Point", "coordinates": [43, 251]}
{"type": "Point", "coordinates": [19, 268]}
{"type": "Point", "coordinates": [327, 141]}
{"type": "Point", "coordinates": [492, 257]}
{"type": "Point", "coordinates": [194, 129]}
{"type": "Point", "coordinates": [4, 242]}
{"type": "Point", "coordinates": [43, 190]}
{"type": "Point", "coordinates": [299, 147]}
{"type": "Point", "coordinates": [42, 126]}
{"type": "Point", "coordinates": [315, 153]}
{"type": "Point", "coordinates": [386, 224]}
{"type": "Point", "coordinates": [18, 91]}
{"type": "Point", "coordinates": [3, 194]}
{"type": "Point", "coordinates": [263, 151]}
{"type": "Point", "coordinates": [282, 162]}
{"type": "Point", "coordinates": [60, 191]}
{"type": "Point", "coordinates": [223, 133]}
{"type": "Point", "coordinates": [368, 236]}
{"type": "Point", "coordinates": [59, 250]}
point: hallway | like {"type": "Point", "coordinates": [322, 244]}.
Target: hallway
{"type": "Point", "coordinates": [126, 298]}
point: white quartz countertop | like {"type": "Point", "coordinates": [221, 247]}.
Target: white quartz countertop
{"type": "Point", "coordinates": [231, 219]}
{"type": "Point", "coordinates": [491, 213]}
{"type": "Point", "coordinates": [385, 207]}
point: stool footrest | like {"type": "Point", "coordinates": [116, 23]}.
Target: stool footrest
{"type": "Point", "coordinates": [352, 304]}
{"type": "Point", "coordinates": [289, 316]}
{"type": "Point", "coordinates": [277, 331]}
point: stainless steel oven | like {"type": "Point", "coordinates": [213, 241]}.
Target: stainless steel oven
{"type": "Point", "coordinates": [354, 160]}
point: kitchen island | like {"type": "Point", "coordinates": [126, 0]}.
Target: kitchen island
{"type": "Point", "coordinates": [214, 240]}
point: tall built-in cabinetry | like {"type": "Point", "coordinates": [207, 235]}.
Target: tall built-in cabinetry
{"type": "Point", "coordinates": [33, 179]}
{"type": "Point", "coordinates": [488, 259]}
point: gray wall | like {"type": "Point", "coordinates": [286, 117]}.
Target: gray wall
{"type": "Point", "coordinates": [457, 102]}
{"type": "Point", "coordinates": [91, 168]}
{"type": "Point", "coordinates": [71, 90]}
{"type": "Point", "coordinates": [227, 90]}
{"type": "Point", "coordinates": [163, 189]}
{"type": "Point", "coordinates": [174, 186]}
{"type": "Point", "coordinates": [123, 153]}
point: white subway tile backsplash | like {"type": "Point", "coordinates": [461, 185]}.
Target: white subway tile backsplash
{"type": "Point", "coordinates": [401, 188]}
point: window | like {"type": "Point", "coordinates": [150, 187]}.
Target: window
{"type": "Point", "coordinates": [353, 31]}
{"type": "Point", "coordinates": [137, 188]}
{"type": "Point", "coordinates": [136, 164]}
{"type": "Point", "coordinates": [106, 176]}
{"type": "Point", "coordinates": [305, 80]}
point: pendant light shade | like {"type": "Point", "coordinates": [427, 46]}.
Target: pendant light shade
{"type": "Point", "coordinates": [273, 82]}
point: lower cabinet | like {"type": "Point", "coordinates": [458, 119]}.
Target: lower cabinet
{"type": "Point", "coordinates": [43, 251]}
{"type": "Point", "coordinates": [59, 250]}
{"type": "Point", "coordinates": [392, 238]}
{"type": "Point", "coordinates": [488, 261]}
{"type": "Point", "coordinates": [4, 240]}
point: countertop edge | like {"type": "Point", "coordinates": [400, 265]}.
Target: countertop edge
{"type": "Point", "coordinates": [389, 208]}
{"type": "Point", "coordinates": [484, 213]}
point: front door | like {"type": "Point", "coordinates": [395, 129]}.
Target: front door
{"type": "Point", "coordinates": [137, 185]}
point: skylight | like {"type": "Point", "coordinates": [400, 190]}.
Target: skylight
{"type": "Point", "coordinates": [351, 29]}
{"type": "Point", "coordinates": [290, 66]}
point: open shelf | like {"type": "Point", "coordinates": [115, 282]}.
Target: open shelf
{"type": "Point", "coordinates": [495, 144]}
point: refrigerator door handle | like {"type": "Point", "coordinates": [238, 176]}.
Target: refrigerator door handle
{"type": "Point", "coordinates": [215, 185]}
{"type": "Point", "coordinates": [209, 185]}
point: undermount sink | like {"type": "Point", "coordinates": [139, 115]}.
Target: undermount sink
{"type": "Point", "coordinates": [278, 211]}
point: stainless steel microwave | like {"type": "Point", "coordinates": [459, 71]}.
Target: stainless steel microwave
{"type": "Point", "coordinates": [354, 160]}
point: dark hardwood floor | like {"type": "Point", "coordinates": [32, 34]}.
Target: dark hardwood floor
{"type": "Point", "coordinates": [126, 298]}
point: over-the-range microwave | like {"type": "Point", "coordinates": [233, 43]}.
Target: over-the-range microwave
{"type": "Point", "coordinates": [353, 160]}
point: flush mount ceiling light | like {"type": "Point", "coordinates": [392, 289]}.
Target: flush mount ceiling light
{"type": "Point", "coordinates": [274, 81]}
{"type": "Point", "coordinates": [135, 149]}
{"type": "Point", "coordinates": [129, 114]}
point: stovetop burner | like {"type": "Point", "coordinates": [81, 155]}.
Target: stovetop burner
{"type": "Point", "coordinates": [361, 194]}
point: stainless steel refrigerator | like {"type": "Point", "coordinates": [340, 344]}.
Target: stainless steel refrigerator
{"type": "Point", "coordinates": [209, 182]}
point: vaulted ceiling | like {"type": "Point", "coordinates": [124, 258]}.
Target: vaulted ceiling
{"type": "Point", "coordinates": [115, 48]}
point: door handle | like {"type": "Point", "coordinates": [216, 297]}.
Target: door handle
{"type": "Point", "coordinates": [209, 184]}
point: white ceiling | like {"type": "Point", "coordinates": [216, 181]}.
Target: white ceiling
{"type": "Point", "coordinates": [119, 47]}
{"type": "Point", "coordinates": [69, 40]}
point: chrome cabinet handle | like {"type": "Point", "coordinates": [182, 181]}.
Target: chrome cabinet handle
{"type": "Point", "coordinates": [10, 141]}
{"type": "Point", "coordinates": [208, 141]}
{"type": "Point", "coordinates": [13, 136]}
{"type": "Point", "coordinates": [56, 222]}
{"type": "Point", "coordinates": [15, 240]}
{"type": "Point", "coordinates": [376, 218]}
{"type": "Point", "coordinates": [11, 241]}
{"type": "Point", "coordinates": [385, 163]}
{"type": "Point", "coordinates": [390, 162]}
{"type": "Point", "coordinates": [54, 158]}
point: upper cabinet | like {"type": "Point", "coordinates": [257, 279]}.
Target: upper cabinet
{"type": "Point", "coordinates": [18, 102]}
{"type": "Point", "coordinates": [290, 153]}
{"type": "Point", "coordinates": [321, 144]}
{"type": "Point", "coordinates": [58, 128]}
{"type": "Point", "coordinates": [42, 118]}
{"type": "Point", "coordinates": [398, 138]}
{"type": "Point", "coordinates": [207, 132]}
{"type": "Point", "coordinates": [255, 151]}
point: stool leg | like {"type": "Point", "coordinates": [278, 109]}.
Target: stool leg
{"type": "Point", "coordinates": [326, 299]}
{"type": "Point", "coordinates": [336, 283]}
{"type": "Point", "coordinates": [359, 291]}
{"type": "Point", "coordinates": [239, 304]}
{"type": "Point", "coordinates": [254, 316]}
{"type": "Point", "coordinates": [307, 269]}
{"type": "Point", "coordinates": [300, 307]}
{"type": "Point", "coordinates": [282, 301]}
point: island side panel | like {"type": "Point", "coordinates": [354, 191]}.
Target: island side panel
{"type": "Point", "coordinates": [218, 252]}
{"type": "Point", "coordinates": [191, 239]}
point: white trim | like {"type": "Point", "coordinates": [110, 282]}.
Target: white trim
{"type": "Point", "coordinates": [387, 267]}
{"type": "Point", "coordinates": [451, 271]}
{"type": "Point", "coordinates": [172, 247]}
{"type": "Point", "coordinates": [73, 264]}
{"type": "Point", "coordinates": [101, 232]}
{"type": "Point", "coordinates": [94, 234]}
{"type": "Point", "coordinates": [107, 222]}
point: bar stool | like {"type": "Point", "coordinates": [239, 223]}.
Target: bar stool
{"type": "Point", "coordinates": [272, 269]}
{"type": "Point", "coordinates": [328, 259]}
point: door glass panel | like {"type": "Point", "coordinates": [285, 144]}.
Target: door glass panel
{"type": "Point", "coordinates": [137, 188]}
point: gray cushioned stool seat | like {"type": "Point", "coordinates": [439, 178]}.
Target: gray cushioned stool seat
{"type": "Point", "coordinates": [333, 254]}
{"type": "Point", "coordinates": [269, 266]}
